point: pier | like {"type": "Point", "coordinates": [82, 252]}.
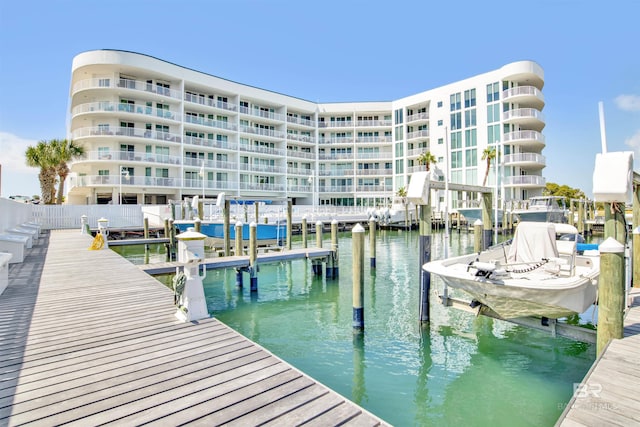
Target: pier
{"type": "Point", "coordinates": [88, 338]}
{"type": "Point", "coordinates": [608, 395]}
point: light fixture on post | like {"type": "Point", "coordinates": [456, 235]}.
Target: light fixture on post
{"type": "Point", "coordinates": [123, 172]}
{"type": "Point", "coordinates": [313, 192]}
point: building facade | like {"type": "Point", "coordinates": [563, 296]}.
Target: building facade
{"type": "Point", "coordinates": [155, 131]}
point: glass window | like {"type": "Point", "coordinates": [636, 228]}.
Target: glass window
{"type": "Point", "coordinates": [471, 137]}
{"type": "Point", "coordinates": [470, 118]}
{"type": "Point", "coordinates": [469, 98]}
{"type": "Point", "coordinates": [456, 159]}
{"type": "Point", "coordinates": [399, 149]}
{"type": "Point", "coordinates": [439, 122]}
{"type": "Point", "coordinates": [399, 133]}
{"type": "Point", "coordinates": [456, 140]}
{"type": "Point", "coordinates": [493, 134]}
{"type": "Point", "coordinates": [399, 116]}
{"type": "Point", "coordinates": [400, 166]}
{"type": "Point", "coordinates": [456, 120]}
{"type": "Point", "coordinates": [439, 104]}
{"type": "Point", "coordinates": [493, 113]}
{"type": "Point", "coordinates": [454, 101]}
{"type": "Point", "coordinates": [471, 158]}
{"type": "Point", "coordinates": [440, 141]}
{"type": "Point", "coordinates": [493, 92]}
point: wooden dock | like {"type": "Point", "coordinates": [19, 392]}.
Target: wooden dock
{"type": "Point", "coordinates": [88, 338]}
{"type": "Point", "coordinates": [610, 392]}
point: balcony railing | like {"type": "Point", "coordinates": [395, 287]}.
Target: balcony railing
{"type": "Point", "coordinates": [335, 124]}
{"type": "Point", "coordinates": [125, 131]}
{"type": "Point", "coordinates": [336, 156]}
{"type": "Point", "coordinates": [337, 140]}
{"type": "Point", "coordinates": [299, 188]}
{"type": "Point", "coordinates": [373, 123]}
{"type": "Point", "coordinates": [382, 155]}
{"type": "Point", "coordinates": [219, 124]}
{"type": "Point", "coordinates": [262, 149]}
{"type": "Point", "coordinates": [372, 139]}
{"type": "Point", "coordinates": [109, 83]}
{"type": "Point", "coordinates": [260, 131]}
{"type": "Point", "coordinates": [522, 91]}
{"type": "Point", "coordinates": [336, 188]}
{"type": "Point", "coordinates": [262, 114]}
{"type": "Point", "coordinates": [261, 187]}
{"type": "Point", "coordinates": [524, 135]}
{"type": "Point", "coordinates": [523, 113]}
{"type": "Point", "coordinates": [521, 180]}
{"type": "Point", "coordinates": [132, 156]}
{"type": "Point", "coordinates": [301, 154]}
{"type": "Point", "coordinates": [196, 99]}
{"type": "Point", "coordinates": [301, 138]}
{"type": "Point", "coordinates": [418, 134]}
{"type": "Point", "coordinates": [214, 143]}
{"type": "Point", "coordinates": [257, 167]}
{"type": "Point", "coordinates": [136, 181]}
{"type": "Point", "coordinates": [418, 116]}
{"type": "Point", "coordinates": [525, 158]}
{"type": "Point", "coordinates": [112, 107]}
{"type": "Point", "coordinates": [299, 171]}
{"type": "Point", "coordinates": [300, 121]}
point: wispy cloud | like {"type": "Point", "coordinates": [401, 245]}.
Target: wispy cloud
{"type": "Point", "coordinates": [628, 102]}
{"type": "Point", "coordinates": [13, 148]}
{"type": "Point", "coordinates": [634, 143]}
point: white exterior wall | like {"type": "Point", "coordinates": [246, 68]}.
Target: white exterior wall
{"type": "Point", "coordinates": [343, 153]}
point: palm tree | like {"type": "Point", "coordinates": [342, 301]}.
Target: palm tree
{"type": "Point", "coordinates": [427, 158]}
{"type": "Point", "coordinates": [41, 156]}
{"type": "Point", "coordinates": [488, 154]}
{"type": "Point", "coordinates": [64, 151]}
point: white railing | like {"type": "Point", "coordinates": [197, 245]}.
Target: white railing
{"type": "Point", "coordinates": [523, 135]}
{"type": "Point", "coordinates": [525, 157]}
{"type": "Point", "coordinates": [523, 113]}
{"type": "Point", "coordinates": [54, 217]}
{"type": "Point", "coordinates": [525, 180]}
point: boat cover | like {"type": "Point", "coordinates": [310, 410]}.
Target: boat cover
{"type": "Point", "coordinates": [532, 242]}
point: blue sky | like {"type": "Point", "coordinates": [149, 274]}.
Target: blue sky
{"type": "Point", "coordinates": [331, 51]}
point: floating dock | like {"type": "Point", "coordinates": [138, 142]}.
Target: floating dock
{"type": "Point", "coordinates": [88, 338]}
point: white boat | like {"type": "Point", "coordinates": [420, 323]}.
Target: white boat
{"type": "Point", "coordinates": [533, 275]}
{"type": "Point", "coordinates": [543, 209]}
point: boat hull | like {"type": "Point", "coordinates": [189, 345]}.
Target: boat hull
{"type": "Point", "coordinates": [216, 230]}
{"type": "Point", "coordinates": [532, 294]}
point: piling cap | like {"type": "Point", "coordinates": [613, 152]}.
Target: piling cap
{"type": "Point", "coordinates": [190, 234]}
{"type": "Point", "coordinates": [253, 224]}
{"type": "Point", "coordinates": [319, 223]}
{"type": "Point", "coordinates": [239, 224]}
{"type": "Point", "coordinates": [357, 229]}
{"type": "Point", "coordinates": [611, 246]}
{"type": "Point", "coordinates": [478, 222]}
{"type": "Point", "coordinates": [103, 221]}
{"type": "Point", "coordinates": [636, 230]}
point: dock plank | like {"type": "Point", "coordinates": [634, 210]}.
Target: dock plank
{"type": "Point", "coordinates": [88, 338]}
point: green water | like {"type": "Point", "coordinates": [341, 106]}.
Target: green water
{"type": "Point", "coordinates": [457, 370]}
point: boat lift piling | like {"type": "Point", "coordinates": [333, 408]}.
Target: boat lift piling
{"type": "Point", "coordinates": [333, 258]}
{"type": "Point", "coordinates": [316, 264]}
{"type": "Point", "coordinates": [253, 256]}
{"type": "Point", "coordinates": [305, 231]}
{"type": "Point", "coordinates": [358, 278]}
{"type": "Point", "coordinates": [372, 242]}
{"type": "Point", "coordinates": [289, 224]}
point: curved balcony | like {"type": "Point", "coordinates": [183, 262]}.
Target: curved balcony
{"type": "Point", "coordinates": [526, 181]}
{"type": "Point", "coordinates": [525, 72]}
{"type": "Point", "coordinates": [126, 85]}
{"type": "Point", "coordinates": [530, 139]}
{"type": "Point", "coordinates": [419, 134]}
{"type": "Point", "coordinates": [129, 156]}
{"type": "Point", "coordinates": [529, 96]}
{"type": "Point", "coordinates": [213, 164]}
{"type": "Point", "coordinates": [120, 110]}
{"type": "Point", "coordinates": [525, 160]}
{"type": "Point", "coordinates": [418, 117]}
{"type": "Point", "coordinates": [527, 117]}
{"type": "Point", "coordinates": [124, 134]}
{"type": "Point", "coordinates": [130, 181]}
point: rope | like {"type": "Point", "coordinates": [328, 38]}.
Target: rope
{"type": "Point", "coordinates": [530, 268]}
{"type": "Point", "coordinates": [179, 281]}
{"type": "Point", "coordinates": [98, 243]}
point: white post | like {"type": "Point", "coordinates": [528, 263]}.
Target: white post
{"type": "Point", "coordinates": [103, 228]}
{"type": "Point", "coordinates": [192, 304]}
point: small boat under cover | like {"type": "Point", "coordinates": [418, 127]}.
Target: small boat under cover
{"type": "Point", "coordinates": [535, 274]}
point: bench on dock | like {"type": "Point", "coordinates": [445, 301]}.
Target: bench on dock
{"type": "Point", "coordinates": [5, 258]}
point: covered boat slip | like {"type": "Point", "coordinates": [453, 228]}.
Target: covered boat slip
{"type": "Point", "coordinates": [87, 338]}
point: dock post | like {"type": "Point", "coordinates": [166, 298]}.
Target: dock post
{"type": "Point", "coordinates": [372, 242]}
{"type": "Point", "coordinates": [239, 240]}
{"type": "Point", "coordinates": [477, 236]}
{"type": "Point", "coordinates": [239, 278]}
{"type": "Point", "coordinates": [192, 304]}
{"type": "Point", "coordinates": [358, 278]}
{"type": "Point", "coordinates": [103, 229]}
{"type": "Point", "coordinates": [334, 249]}
{"type": "Point", "coordinates": [172, 235]}
{"type": "Point", "coordinates": [425, 256]}
{"type": "Point", "coordinates": [316, 263]}
{"type": "Point", "coordinates": [226, 225]}
{"type": "Point", "coordinates": [253, 256]}
{"type": "Point", "coordinates": [84, 225]}
{"type": "Point", "coordinates": [256, 211]}
{"type": "Point", "coordinates": [572, 211]}
{"type": "Point", "coordinates": [304, 231]}
{"type": "Point", "coordinates": [611, 292]}
{"type": "Point", "coordinates": [289, 224]}
{"type": "Point", "coordinates": [167, 236]}
{"type": "Point", "coordinates": [197, 224]}
{"type": "Point", "coordinates": [580, 224]}
{"type": "Point", "coordinates": [173, 210]}
{"type": "Point", "coordinates": [487, 236]}
{"type": "Point", "coordinates": [145, 222]}
{"type": "Point", "coordinates": [201, 209]}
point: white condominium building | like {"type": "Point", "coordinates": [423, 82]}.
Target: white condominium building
{"type": "Point", "coordinates": [154, 131]}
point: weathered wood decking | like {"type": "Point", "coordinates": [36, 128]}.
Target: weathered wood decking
{"type": "Point", "coordinates": [88, 338]}
{"type": "Point", "coordinates": [610, 392]}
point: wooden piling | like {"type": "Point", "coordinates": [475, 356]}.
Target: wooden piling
{"type": "Point", "coordinates": [636, 236]}
{"type": "Point", "coordinates": [226, 224]}
{"type": "Point", "coordinates": [256, 212]}
{"type": "Point", "coordinates": [425, 256]}
{"type": "Point", "coordinates": [372, 242]}
{"type": "Point", "coordinates": [289, 224]}
{"type": "Point", "coordinates": [201, 209]}
{"type": "Point", "coordinates": [580, 225]}
{"type": "Point", "coordinates": [253, 256]}
{"type": "Point", "coordinates": [477, 236]}
{"type": "Point", "coordinates": [305, 232]}
{"type": "Point", "coordinates": [487, 236]}
{"type": "Point", "coordinates": [146, 227]}
{"type": "Point", "coordinates": [358, 277]}
{"type": "Point", "coordinates": [611, 292]}
{"type": "Point", "coordinates": [317, 263]}
{"type": "Point", "coordinates": [334, 249]}
{"type": "Point", "coordinates": [239, 241]}
{"type": "Point", "coordinates": [197, 225]}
